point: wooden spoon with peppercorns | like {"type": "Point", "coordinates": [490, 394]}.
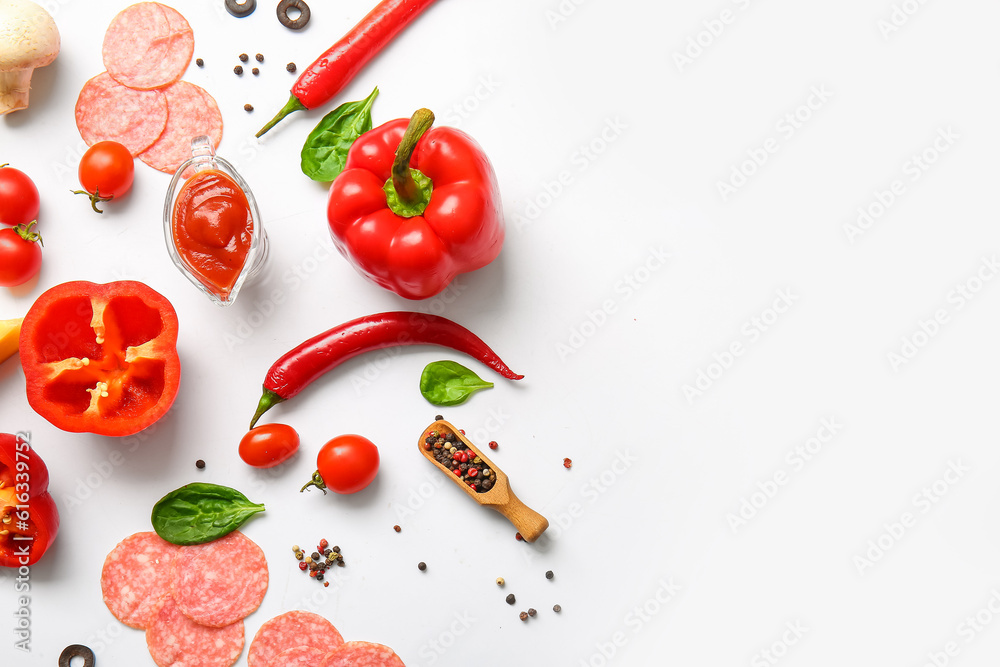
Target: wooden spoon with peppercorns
{"type": "Point", "coordinates": [447, 448]}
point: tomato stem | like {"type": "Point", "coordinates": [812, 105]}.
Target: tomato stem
{"type": "Point", "coordinates": [24, 231]}
{"type": "Point", "coordinates": [95, 197]}
{"type": "Point", "coordinates": [317, 481]}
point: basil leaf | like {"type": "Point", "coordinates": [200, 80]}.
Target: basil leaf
{"type": "Point", "coordinates": [449, 383]}
{"type": "Point", "coordinates": [325, 151]}
{"type": "Point", "coordinates": [201, 512]}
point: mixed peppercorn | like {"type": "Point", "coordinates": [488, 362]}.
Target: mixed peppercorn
{"type": "Point", "coordinates": [455, 455]}
{"type": "Point", "coordinates": [319, 561]}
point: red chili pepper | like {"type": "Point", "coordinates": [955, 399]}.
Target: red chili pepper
{"type": "Point", "coordinates": [321, 81]}
{"type": "Point", "coordinates": [415, 206]}
{"type": "Point", "coordinates": [29, 520]}
{"type": "Point", "coordinates": [294, 371]}
{"type": "Point", "coordinates": [101, 358]}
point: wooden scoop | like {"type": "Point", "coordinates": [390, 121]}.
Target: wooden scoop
{"type": "Point", "coordinates": [528, 522]}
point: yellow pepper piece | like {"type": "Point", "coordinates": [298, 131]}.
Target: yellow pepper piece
{"type": "Point", "coordinates": [10, 332]}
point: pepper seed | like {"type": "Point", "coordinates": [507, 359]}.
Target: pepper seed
{"type": "Point", "coordinates": [549, 575]}
{"type": "Point", "coordinates": [290, 67]}
{"type": "Point", "coordinates": [510, 599]}
{"type": "Point", "coordinates": [259, 57]}
{"type": "Point", "coordinates": [500, 581]}
{"type": "Point", "coordinates": [248, 107]}
{"type": "Point", "coordinates": [397, 528]}
{"type": "Point", "coordinates": [244, 57]}
{"type": "Point", "coordinates": [523, 616]}
{"type": "Point", "coordinates": [199, 464]}
{"type": "Point", "coordinates": [238, 70]}
{"type": "Point", "coordinates": [531, 611]}
{"type": "Point", "coordinates": [199, 62]}
{"type": "Point", "coordinates": [556, 608]}
{"type": "Point", "coordinates": [255, 71]}
{"type": "Point", "coordinates": [421, 566]}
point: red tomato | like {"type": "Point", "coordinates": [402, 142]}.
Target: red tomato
{"type": "Point", "coordinates": [18, 197]}
{"type": "Point", "coordinates": [268, 445]}
{"type": "Point", "coordinates": [20, 254]}
{"type": "Point", "coordinates": [346, 464]}
{"type": "Point", "coordinates": [106, 172]}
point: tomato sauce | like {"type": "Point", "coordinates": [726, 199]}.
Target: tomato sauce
{"type": "Point", "coordinates": [213, 229]}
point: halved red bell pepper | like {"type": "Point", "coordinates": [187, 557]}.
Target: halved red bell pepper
{"type": "Point", "coordinates": [101, 358]}
{"type": "Point", "coordinates": [29, 520]}
{"type": "Point", "coordinates": [414, 206]}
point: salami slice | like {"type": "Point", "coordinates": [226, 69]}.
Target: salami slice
{"type": "Point", "coordinates": [191, 113]}
{"type": "Point", "coordinates": [220, 582]}
{"type": "Point", "coordinates": [174, 640]}
{"type": "Point", "coordinates": [290, 630]}
{"type": "Point", "coordinates": [299, 656]}
{"type": "Point", "coordinates": [109, 111]}
{"type": "Point", "coordinates": [135, 576]}
{"type": "Point", "coordinates": [361, 654]}
{"type": "Point", "coordinates": [147, 46]}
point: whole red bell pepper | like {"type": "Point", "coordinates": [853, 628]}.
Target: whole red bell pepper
{"type": "Point", "coordinates": [415, 206]}
{"type": "Point", "coordinates": [29, 520]}
{"type": "Point", "coordinates": [101, 358]}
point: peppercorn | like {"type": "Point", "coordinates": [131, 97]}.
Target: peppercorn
{"type": "Point", "coordinates": [510, 599]}
{"type": "Point", "coordinates": [421, 566]}
{"type": "Point", "coordinates": [199, 464]}
{"type": "Point", "coordinates": [493, 444]}
{"type": "Point", "coordinates": [523, 616]}
{"type": "Point", "coordinates": [199, 62]}
{"type": "Point", "coordinates": [567, 463]}
{"type": "Point", "coordinates": [248, 107]}
{"type": "Point", "coordinates": [335, 548]}
{"type": "Point", "coordinates": [244, 57]}
{"type": "Point", "coordinates": [323, 544]}
{"type": "Point", "coordinates": [259, 57]}
{"type": "Point", "coordinates": [549, 574]}
{"type": "Point", "coordinates": [438, 418]}
{"type": "Point", "coordinates": [315, 555]}
{"type": "Point", "coordinates": [303, 566]}
{"type": "Point", "coordinates": [255, 71]}
{"type": "Point", "coordinates": [517, 536]}
{"type": "Point", "coordinates": [556, 608]}
{"type": "Point", "coordinates": [500, 581]}
{"type": "Point", "coordinates": [531, 611]}
{"type": "Point", "coordinates": [319, 577]}
{"type": "Point", "coordinates": [238, 70]}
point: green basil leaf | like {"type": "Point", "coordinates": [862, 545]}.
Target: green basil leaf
{"type": "Point", "coordinates": [201, 512]}
{"type": "Point", "coordinates": [325, 151]}
{"type": "Point", "coordinates": [449, 383]}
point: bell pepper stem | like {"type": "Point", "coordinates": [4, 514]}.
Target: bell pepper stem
{"type": "Point", "coordinates": [402, 180]}
{"type": "Point", "coordinates": [267, 401]}
{"type": "Point", "coordinates": [292, 105]}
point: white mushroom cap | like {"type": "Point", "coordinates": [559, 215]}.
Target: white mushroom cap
{"type": "Point", "coordinates": [29, 38]}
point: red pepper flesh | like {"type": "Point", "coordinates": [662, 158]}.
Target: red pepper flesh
{"type": "Point", "coordinates": [101, 358]}
{"type": "Point", "coordinates": [295, 370]}
{"type": "Point", "coordinates": [327, 76]}
{"type": "Point", "coordinates": [29, 519]}
{"type": "Point", "coordinates": [456, 227]}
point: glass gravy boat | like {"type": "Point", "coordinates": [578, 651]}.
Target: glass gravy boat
{"type": "Point", "coordinates": [196, 171]}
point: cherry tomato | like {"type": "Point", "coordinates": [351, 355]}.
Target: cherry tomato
{"type": "Point", "coordinates": [20, 254]}
{"type": "Point", "coordinates": [18, 197]}
{"type": "Point", "coordinates": [106, 172]}
{"type": "Point", "coordinates": [346, 464]}
{"type": "Point", "coordinates": [268, 445]}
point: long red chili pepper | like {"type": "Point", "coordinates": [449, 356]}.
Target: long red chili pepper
{"type": "Point", "coordinates": [333, 70]}
{"type": "Point", "coordinates": [294, 371]}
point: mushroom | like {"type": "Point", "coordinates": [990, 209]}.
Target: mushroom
{"type": "Point", "coordinates": [28, 39]}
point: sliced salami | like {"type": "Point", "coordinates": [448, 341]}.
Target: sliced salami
{"type": "Point", "coordinates": [174, 640]}
{"type": "Point", "coordinates": [299, 656]}
{"type": "Point", "coordinates": [220, 582]}
{"type": "Point", "coordinates": [109, 111]}
{"type": "Point", "coordinates": [135, 576]}
{"type": "Point", "coordinates": [191, 113]}
{"type": "Point", "coordinates": [361, 654]}
{"type": "Point", "coordinates": [290, 630]}
{"type": "Point", "coordinates": [147, 46]}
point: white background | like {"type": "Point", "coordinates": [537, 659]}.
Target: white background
{"type": "Point", "coordinates": [671, 540]}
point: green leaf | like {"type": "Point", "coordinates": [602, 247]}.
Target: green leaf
{"type": "Point", "coordinates": [449, 383]}
{"type": "Point", "coordinates": [325, 151]}
{"type": "Point", "coordinates": [201, 512]}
